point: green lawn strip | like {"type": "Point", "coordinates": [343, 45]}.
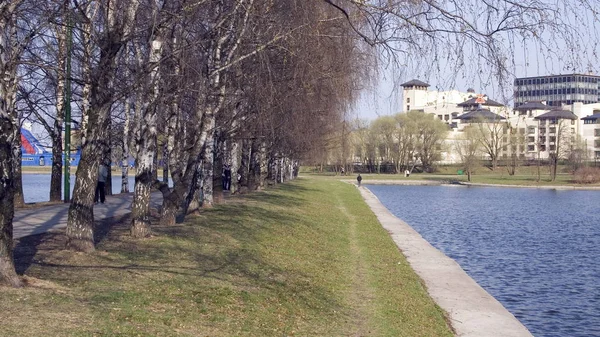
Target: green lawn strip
{"type": "Point", "coordinates": [525, 177]}
{"type": "Point", "coordinates": [276, 263]}
{"type": "Point", "coordinates": [401, 304]}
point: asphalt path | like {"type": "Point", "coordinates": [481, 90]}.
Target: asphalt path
{"type": "Point", "coordinates": [42, 219]}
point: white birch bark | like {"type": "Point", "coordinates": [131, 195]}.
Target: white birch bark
{"type": "Point", "coordinates": [208, 168]}
{"type": "Point", "coordinates": [140, 209]}
{"type": "Point", "coordinates": [56, 131]}
{"type": "Point", "coordinates": [80, 232]}
{"type": "Point", "coordinates": [86, 70]}
{"type": "Point", "coordinates": [262, 164]}
{"type": "Point", "coordinates": [234, 161]}
{"type": "Point", "coordinates": [125, 148]}
{"type": "Point", "coordinates": [8, 127]}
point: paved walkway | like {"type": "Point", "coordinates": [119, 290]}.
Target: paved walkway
{"type": "Point", "coordinates": [40, 220]}
{"type": "Point", "coordinates": [472, 311]}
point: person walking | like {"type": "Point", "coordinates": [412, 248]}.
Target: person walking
{"type": "Point", "coordinates": [101, 185]}
{"type": "Point", "coordinates": [226, 177]}
{"type": "Point", "coordinates": [359, 179]}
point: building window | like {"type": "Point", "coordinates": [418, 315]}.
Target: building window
{"type": "Point", "coordinates": [408, 100]}
{"type": "Point", "coordinates": [597, 143]}
{"type": "Point", "coordinates": [530, 148]}
{"type": "Point", "coordinates": [408, 108]}
{"type": "Point", "coordinates": [552, 139]}
{"type": "Point", "coordinates": [542, 139]}
{"type": "Point", "coordinates": [542, 147]}
{"type": "Point", "coordinates": [531, 130]}
{"type": "Point", "coordinates": [531, 139]}
{"type": "Point", "coordinates": [552, 147]}
{"type": "Point", "coordinates": [596, 132]}
{"type": "Point", "coordinates": [552, 130]}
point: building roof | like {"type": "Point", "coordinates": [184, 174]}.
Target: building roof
{"type": "Point", "coordinates": [557, 75]}
{"type": "Point", "coordinates": [479, 100]}
{"type": "Point", "coordinates": [480, 114]}
{"type": "Point", "coordinates": [414, 83]}
{"type": "Point", "coordinates": [557, 114]}
{"type": "Point", "coordinates": [534, 105]}
{"type": "Point", "coordinates": [592, 117]}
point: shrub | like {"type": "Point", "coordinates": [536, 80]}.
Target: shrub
{"type": "Point", "coordinates": [587, 175]}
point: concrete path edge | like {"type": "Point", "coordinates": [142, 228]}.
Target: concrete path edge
{"type": "Point", "coordinates": [472, 311]}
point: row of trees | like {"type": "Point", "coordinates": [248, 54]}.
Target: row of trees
{"type": "Point", "coordinates": [403, 140]}
{"type": "Point", "coordinates": [256, 84]}
{"type": "Point", "coordinates": [198, 84]}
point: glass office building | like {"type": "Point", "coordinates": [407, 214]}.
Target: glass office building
{"type": "Point", "coordinates": [557, 90]}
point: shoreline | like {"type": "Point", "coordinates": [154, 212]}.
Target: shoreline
{"type": "Point", "coordinates": [468, 184]}
{"type": "Point", "coordinates": [471, 310]}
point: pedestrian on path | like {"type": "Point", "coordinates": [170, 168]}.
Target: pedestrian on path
{"type": "Point", "coordinates": [101, 186]}
{"type": "Point", "coordinates": [359, 179]}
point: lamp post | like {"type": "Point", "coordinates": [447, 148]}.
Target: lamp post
{"type": "Point", "coordinates": [67, 149]}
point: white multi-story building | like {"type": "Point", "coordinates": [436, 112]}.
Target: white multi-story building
{"type": "Point", "coordinates": [543, 129]}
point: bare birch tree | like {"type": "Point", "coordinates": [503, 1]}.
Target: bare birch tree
{"type": "Point", "coordinates": [10, 51]}
{"type": "Point", "coordinates": [115, 26]}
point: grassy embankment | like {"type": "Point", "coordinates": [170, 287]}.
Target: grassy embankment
{"type": "Point", "coordinates": [307, 258]}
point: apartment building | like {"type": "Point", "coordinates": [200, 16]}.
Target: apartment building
{"type": "Point", "coordinates": [557, 90]}
{"type": "Point", "coordinates": [542, 129]}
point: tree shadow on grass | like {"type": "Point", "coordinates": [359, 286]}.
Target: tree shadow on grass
{"type": "Point", "coordinates": [219, 244]}
{"type": "Point", "coordinates": [26, 248]}
{"type": "Point", "coordinates": [185, 256]}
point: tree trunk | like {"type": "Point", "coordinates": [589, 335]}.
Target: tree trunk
{"type": "Point", "coordinates": [262, 164]}
{"type": "Point", "coordinates": [165, 165]}
{"type": "Point", "coordinates": [254, 172]}
{"type": "Point", "coordinates": [80, 224]}
{"type": "Point", "coordinates": [234, 161]}
{"type": "Point", "coordinates": [193, 198]}
{"type": "Point", "coordinates": [80, 230]}
{"type": "Point", "coordinates": [140, 207]}
{"type": "Point", "coordinates": [554, 168]}
{"type": "Point", "coordinates": [18, 176]}
{"type": "Point", "coordinates": [171, 203]}
{"type": "Point", "coordinates": [207, 172]}
{"type": "Point", "coordinates": [125, 149]}
{"type": "Point", "coordinates": [9, 128]}
{"type": "Point", "coordinates": [217, 173]}
{"type": "Point", "coordinates": [57, 164]}
{"type": "Point", "coordinates": [8, 274]}
{"type": "Point", "coordinates": [169, 209]}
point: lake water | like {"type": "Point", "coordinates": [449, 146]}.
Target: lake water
{"type": "Point", "coordinates": [36, 187]}
{"type": "Point", "coordinates": [537, 251]}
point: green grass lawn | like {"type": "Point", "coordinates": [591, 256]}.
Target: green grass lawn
{"type": "Point", "coordinates": [525, 176]}
{"type": "Point", "coordinates": [307, 258]}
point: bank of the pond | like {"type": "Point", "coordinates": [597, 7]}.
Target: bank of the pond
{"type": "Point", "coordinates": [472, 311]}
{"type": "Point", "coordinates": [454, 182]}
{"type": "Point", "coordinates": [306, 258]}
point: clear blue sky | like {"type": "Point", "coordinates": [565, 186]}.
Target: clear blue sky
{"type": "Point", "coordinates": [526, 57]}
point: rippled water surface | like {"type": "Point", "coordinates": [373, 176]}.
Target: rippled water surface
{"type": "Point", "coordinates": [36, 187]}
{"type": "Point", "coordinates": [536, 251]}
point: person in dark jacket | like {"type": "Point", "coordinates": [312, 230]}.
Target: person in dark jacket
{"type": "Point", "coordinates": [359, 179]}
{"type": "Point", "coordinates": [226, 178]}
{"type": "Point", "coordinates": [101, 185]}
